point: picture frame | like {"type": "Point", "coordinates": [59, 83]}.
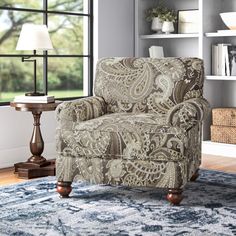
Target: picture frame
{"type": "Point", "coordinates": [188, 21]}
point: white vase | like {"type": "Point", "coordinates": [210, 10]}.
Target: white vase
{"type": "Point", "coordinates": [168, 27]}
{"type": "Point", "coordinates": [156, 25]}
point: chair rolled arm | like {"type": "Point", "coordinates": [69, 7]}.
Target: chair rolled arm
{"type": "Point", "coordinates": [81, 109]}
{"type": "Point", "coordinates": [188, 113]}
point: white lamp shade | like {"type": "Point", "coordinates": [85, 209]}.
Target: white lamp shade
{"type": "Point", "coordinates": [34, 37]}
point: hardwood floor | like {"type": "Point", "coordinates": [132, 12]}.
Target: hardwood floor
{"type": "Point", "coordinates": [225, 164]}
{"type": "Point", "coordinates": [7, 177]}
{"type": "Point", "coordinates": [211, 162]}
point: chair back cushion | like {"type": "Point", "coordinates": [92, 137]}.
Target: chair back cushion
{"type": "Point", "coordinates": [148, 84]}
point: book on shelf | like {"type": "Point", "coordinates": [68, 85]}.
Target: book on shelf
{"type": "Point", "coordinates": [224, 60]}
{"type": "Point", "coordinates": [34, 99]}
{"type": "Point", "coordinates": [232, 59]}
{"type": "Point", "coordinates": [214, 60]}
{"type": "Point", "coordinates": [226, 53]}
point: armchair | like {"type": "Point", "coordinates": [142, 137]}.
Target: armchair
{"type": "Point", "coordinates": [142, 127]}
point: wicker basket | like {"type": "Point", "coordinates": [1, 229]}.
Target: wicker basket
{"type": "Point", "coordinates": [223, 134]}
{"type": "Point", "coordinates": [224, 116]}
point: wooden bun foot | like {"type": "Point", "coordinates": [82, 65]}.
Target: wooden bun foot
{"type": "Point", "coordinates": [195, 176]}
{"type": "Point", "coordinates": [64, 189]}
{"type": "Point", "coordinates": [174, 196]}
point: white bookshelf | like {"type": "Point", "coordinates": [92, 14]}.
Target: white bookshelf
{"type": "Point", "coordinates": [218, 77]}
{"type": "Point", "coordinates": [220, 91]}
{"type": "Point", "coordinates": [169, 36]}
{"type": "Point", "coordinates": [216, 34]}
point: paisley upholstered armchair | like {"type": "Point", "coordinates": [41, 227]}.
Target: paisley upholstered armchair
{"type": "Point", "coordinates": [141, 128]}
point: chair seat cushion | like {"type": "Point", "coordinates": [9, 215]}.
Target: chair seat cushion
{"type": "Point", "coordinates": [126, 136]}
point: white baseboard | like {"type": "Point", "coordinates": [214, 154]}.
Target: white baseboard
{"type": "Point", "coordinates": [8, 157]}
{"type": "Point", "coordinates": [219, 149]}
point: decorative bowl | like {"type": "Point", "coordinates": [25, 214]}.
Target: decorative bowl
{"type": "Point", "coordinates": [229, 18]}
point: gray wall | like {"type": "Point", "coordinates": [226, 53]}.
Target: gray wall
{"type": "Point", "coordinates": [116, 28]}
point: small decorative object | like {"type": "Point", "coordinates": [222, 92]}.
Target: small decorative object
{"type": "Point", "coordinates": [168, 27]}
{"type": "Point", "coordinates": [154, 15]}
{"type": "Point", "coordinates": [156, 52]}
{"type": "Point", "coordinates": [188, 21]}
{"type": "Point", "coordinates": [168, 17]}
{"type": "Point", "coordinates": [229, 18]}
{"type": "Point", "coordinates": [156, 25]}
{"type": "Point", "coordinates": [34, 37]}
{"type": "Point", "coordinates": [160, 14]}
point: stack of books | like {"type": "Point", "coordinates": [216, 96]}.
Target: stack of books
{"type": "Point", "coordinates": [224, 60]}
{"type": "Point", "coordinates": [34, 99]}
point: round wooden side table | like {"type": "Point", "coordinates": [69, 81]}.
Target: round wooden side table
{"type": "Point", "coordinates": [36, 165]}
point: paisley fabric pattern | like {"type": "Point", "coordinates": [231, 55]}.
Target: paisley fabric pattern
{"type": "Point", "coordinates": [123, 172]}
{"type": "Point", "coordinates": [187, 114]}
{"type": "Point", "coordinates": [148, 84]}
{"type": "Point", "coordinates": [142, 127]}
{"type": "Point", "coordinates": [127, 136]}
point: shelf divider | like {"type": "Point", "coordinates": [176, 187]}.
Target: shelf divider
{"type": "Point", "coordinates": [168, 36]}
{"type": "Point", "coordinates": [216, 34]}
{"type": "Point", "coordinates": [219, 77]}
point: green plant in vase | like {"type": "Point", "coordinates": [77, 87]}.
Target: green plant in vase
{"type": "Point", "coordinates": [154, 15]}
{"type": "Point", "coordinates": [168, 18]}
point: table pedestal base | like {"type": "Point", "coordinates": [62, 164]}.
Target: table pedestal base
{"type": "Point", "coordinates": [27, 170]}
{"type": "Point", "coordinates": [37, 165]}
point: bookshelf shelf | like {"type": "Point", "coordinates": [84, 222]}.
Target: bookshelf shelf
{"type": "Point", "coordinates": [218, 77]}
{"type": "Point", "coordinates": [168, 36]}
{"type": "Point", "coordinates": [215, 34]}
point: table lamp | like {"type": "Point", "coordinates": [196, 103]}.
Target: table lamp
{"type": "Point", "coordinates": [34, 37]}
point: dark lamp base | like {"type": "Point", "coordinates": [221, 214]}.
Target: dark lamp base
{"type": "Point", "coordinates": [34, 94]}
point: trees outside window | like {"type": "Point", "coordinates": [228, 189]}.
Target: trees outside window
{"type": "Point", "coordinates": [63, 72]}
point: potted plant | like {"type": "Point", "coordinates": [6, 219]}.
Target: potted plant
{"type": "Point", "coordinates": [155, 16]}
{"type": "Point", "coordinates": [168, 18]}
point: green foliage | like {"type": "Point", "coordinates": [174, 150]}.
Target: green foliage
{"type": "Point", "coordinates": [22, 3]}
{"type": "Point", "coordinates": [154, 12]}
{"type": "Point", "coordinates": [14, 76]}
{"type": "Point", "coordinates": [65, 74]}
{"type": "Point", "coordinates": [162, 12]}
{"type": "Point", "coordinates": [66, 5]}
{"type": "Point", "coordinates": [62, 5]}
{"type": "Point", "coordinates": [169, 15]}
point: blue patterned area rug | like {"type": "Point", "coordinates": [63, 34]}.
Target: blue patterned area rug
{"type": "Point", "coordinates": [34, 208]}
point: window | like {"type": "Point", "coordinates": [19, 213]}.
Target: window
{"type": "Point", "coordinates": [65, 72]}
